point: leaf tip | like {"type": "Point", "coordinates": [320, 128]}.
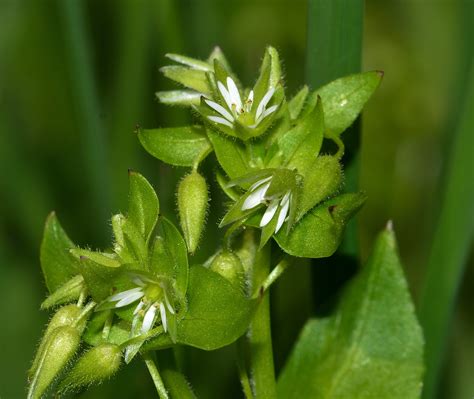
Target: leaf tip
{"type": "Point", "coordinates": [389, 226]}
{"type": "Point", "coordinates": [380, 73]}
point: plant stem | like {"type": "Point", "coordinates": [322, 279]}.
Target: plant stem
{"type": "Point", "coordinates": [174, 380]}
{"type": "Point", "coordinates": [451, 244]}
{"type": "Point", "coordinates": [243, 375]}
{"type": "Point", "coordinates": [155, 375]}
{"type": "Point", "coordinates": [273, 276]}
{"type": "Point", "coordinates": [260, 338]}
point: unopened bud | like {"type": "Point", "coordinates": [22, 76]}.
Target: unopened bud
{"type": "Point", "coordinates": [59, 349]}
{"type": "Point", "coordinates": [228, 265]}
{"type": "Point", "coordinates": [94, 366]}
{"type": "Point", "coordinates": [192, 205]}
{"type": "Point", "coordinates": [65, 316]}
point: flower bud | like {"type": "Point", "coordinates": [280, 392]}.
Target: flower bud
{"type": "Point", "coordinates": [65, 316]}
{"type": "Point", "coordinates": [192, 205]}
{"type": "Point", "coordinates": [61, 345]}
{"type": "Point", "coordinates": [228, 265]}
{"type": "Point", "coordinates": [94, 366]}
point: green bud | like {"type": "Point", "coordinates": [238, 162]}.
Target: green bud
{"type": "Point", "coordinates": [65, 316]}
{"type": "Point", "coordinates": [228, 265]}
{"type": "Point", "coordinates": [93, 367]}
{"type": "Point", "coordinates": [192, 205]}
{"type": "Point", "coordinates": [61, 345]}
{"type": "Point", "coordinates": [68, 292]}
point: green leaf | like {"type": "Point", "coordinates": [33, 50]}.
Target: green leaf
{"type": "Point", "coordinates": [68, 292]}
{"type": "Point", "coordinates": [230, 153]}
{"type": "Point", "coordinates": [170, 257]}
{"type": "Point", "coordinates": [371, 347]}
{"type": "Point", "coordinates": [56, 262]}
{"type": "Point", "coordinates": [143, 204]}
{"type": "Point", "coordinates": [191, 78]}
{"type": "Point", "coordinates": [180, 146]}
{"type": "Point", "coordinates": [179, 97]}
{"type": "Point", "coordinates": [102, 258]}
{"type": "Point", "coordinates": [190, 62]}
{"type": "Point", "coordinates": [300, 146]}
{"type": "Point", "coordinates": [218, 55]}
{"type": "Point", "coordinates": [295, 105]}
{"type": "Point", "coordinates": [193, 201]}
{"type": "Point", "coordinates": [319, 233]}
{"type": "Point", "coordinates": [343, 100]}
{"type": "Point", "coordinates": [99, 278]}
{"type": "Point", "coordinates": [322, 179]}
{"type": "Point", "coordinates": [218, 313]}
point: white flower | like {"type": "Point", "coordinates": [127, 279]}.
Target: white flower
{"type": "Point", "coordinates": [235, 106]}
{"type": "Point", "coordinates": [275, 206]}
{"type": "Point", "coordinates": [152, 296]}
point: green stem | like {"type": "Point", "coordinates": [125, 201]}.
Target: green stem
{"type": "Point", "coordinates": [174, 380]}
{"type": "Point", "coordinates": [241, 366]}
{"type": "Point", "coordinates": [155, 375]}
{"type": "Point", "coordinates": [451, 245]}
{"type": "Point", "coordinates": [260, 338]}
{"type": "Point", "coordinates": [277, 271]}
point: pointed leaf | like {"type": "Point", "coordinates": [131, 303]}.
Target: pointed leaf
{"type": "Point", "coordinates": [295, 105]}
{"type": "Point", "coordinates": [191, 78]}
{"type": "Point", "coordinates": [191, 62]}
{"type": "Point", "coordinates": [180, 146]}
{"type": "Point", "coordinates": [56, 262]}
{"type": "Point", "coordinates": [179, 97]}
{"type": "Point", "coordinates": [371, 347]}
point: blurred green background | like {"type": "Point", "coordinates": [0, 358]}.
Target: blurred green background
{"type": "Point", "coordinates": [76, 77]}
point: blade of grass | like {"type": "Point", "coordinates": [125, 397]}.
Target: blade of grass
{"type": "Point", "coordinates": [334, 48]}
{"type": "Point", "coordinates": [79, 61]}
{"type": "Point", "coordinates": [451, 244]}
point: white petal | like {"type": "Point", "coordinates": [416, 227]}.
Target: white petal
{"type": "Point", "coordinates": [219, 108]}
{"type": "Point", "coordinates": [266, 98]}
{"type": "Point", "coordinates": [138, 281]}
{"type": "Point", "coordinates": [149, 319]}
{"type": "Point", "coordinates": [163, 316]}
{"type": "Point", "coordinates": [168, 304]}
{"type": "Point", "coordinates": [234, 93]}
{"type": "Point", "coordinates": [129, 299]}
{"type": "Point", "coordinates": [282, 215]}
{"type": "Point", "coordinates": [123, 294]}
{"type": "Point", "coordinates": [267, 112]}
{"type": "Point", "coordinates": [220, 120]}
{"type": "Point", "coordinates": [259, 183]}
{"type": "Point", "coordinates": [269, 213]}
{"type": "Point", "coordinates": [250, 97]}
{"type": "Point", "coordinates": [256, 197]}
{"type": "Point", "coordinates": [225, 94]}
{"type": "Point", "coordinates": [139, 307]}
{"type": "Point", "coordinates": [286, 198]}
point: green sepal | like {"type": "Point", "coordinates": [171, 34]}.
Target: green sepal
{"type": "Point", "coordinates": [295, 105]}
{"type": "Point", "coordinates": [230, 153]}
{"type": "Point", "coordinates": [102, 258]}
{"type": "Point", "coordinates": [94, 333]}
{"type": "Point", "coordinates": [179, 146]}
{"type": "Point", "coordinates": [190, 62]}
{"type": "Point", "coordinates": [57, 264]}
{"type": "Point", "coordinates": [68, 292]}
{"type": "Point", "coordinates": [179, 97]}
{"type": "Point", "coordinates": [218, 55]}
{"type": "Point", "coordinates": [218, 313]}
{"type": "Point", "coordinates": [319, 233]}
{"type": "Point", "coordinates": [135, 245]}
{"type": "Point", "coordinates": [370, 347]}
{"type": "Point", "coordinates": [223, 184]}
{"type": "Point", "coordinates": [192, 78]}
{"type": "Point", "coordinates": [143, 204]}
{"type": "Point", "coordinates": [322, 179]}
{"type": "Point", "coordinates": [169, 256]}
{"type": "Point", "coordinates": [343, 100]}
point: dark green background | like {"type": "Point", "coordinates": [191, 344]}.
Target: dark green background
{"type": "Point", "coordinates": [67, 116]}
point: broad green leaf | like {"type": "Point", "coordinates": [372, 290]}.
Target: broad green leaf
{"type": "Point", "coordinates": [230, 153]}
{"type": "Point", "coordinates": [68, 292]}
{"type": "Point", "coordinates": [323, 177]}
{"type": "Point", "coordinates": [170, 257]}
{"type": "Point", "coordinates": [193, 201]}
{"type": "Point", "coordinates": [295, 105]}
{"type": "Point", "coordinates": [343, 100]}
{"type": "Point", "coordinates": [191, 78]}
{"type": "Point", "coordinates": [319, 233]}
{"type": "Point", "coordinates": [218, 313]}
{"type": "Point", "coordinates": [370, 348]}
{"type": "Point", "coordinates": [180, 146]}
{"type": "Point", "coordinates": [179, 97]}
{"type": "Point", "coordinates": [56, 262]}
{"type": "Point", "coordinates": [191, 62]}
{"type": "Point", "coordinates": [300, 146]}
{"type": "Point", "coordinates": [143, 204]}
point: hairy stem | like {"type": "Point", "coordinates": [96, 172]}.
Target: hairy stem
{"type": "Point", "coordinates": [155, 375]}
{"type": "Point", "coordinates": [261, 359]}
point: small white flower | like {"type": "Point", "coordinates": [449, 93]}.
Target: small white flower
{"type": "Point", "coordinates": [235, 106]}
{"type": "Point", "coordinates": [279, 205]}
